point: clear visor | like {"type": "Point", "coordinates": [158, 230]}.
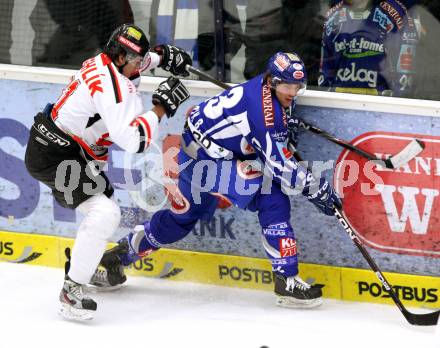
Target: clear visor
{"type": "Point", "coordinates": [141, 63]}
{"type": "Point", "coordinates": [291, 88]}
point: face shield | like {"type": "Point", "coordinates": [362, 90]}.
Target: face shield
{"type": "Point", "coordinates": [141, 63]}
{"type": "Point", "coordinates": [293, 89]}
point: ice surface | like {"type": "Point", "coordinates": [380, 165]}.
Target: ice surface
{"type": "Point", "coordinates": [163, 313]}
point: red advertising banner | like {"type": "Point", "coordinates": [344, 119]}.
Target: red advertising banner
{"type": "Point", "coordinates": [393, 210]}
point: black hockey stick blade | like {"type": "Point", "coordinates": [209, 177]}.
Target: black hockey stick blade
{"type": "Point", "coordinates": [427, 319]}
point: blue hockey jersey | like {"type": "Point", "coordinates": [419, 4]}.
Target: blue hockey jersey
{"type": "Point", "coordinates": [246, 122]}
{"type": "Point", "coordinates": [370, 52]}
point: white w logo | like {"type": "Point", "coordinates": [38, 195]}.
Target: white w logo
{"type": "Point", "coordinates": [410, 210]}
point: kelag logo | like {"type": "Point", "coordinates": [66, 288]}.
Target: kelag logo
{"type": "Point", "coordinates": [393, 210]}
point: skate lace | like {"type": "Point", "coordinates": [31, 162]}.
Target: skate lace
{"type": "Point", "coordinates": [296, 282]}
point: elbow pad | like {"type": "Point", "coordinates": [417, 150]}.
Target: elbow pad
{"type": "Point", "coordinates": [147, 125]}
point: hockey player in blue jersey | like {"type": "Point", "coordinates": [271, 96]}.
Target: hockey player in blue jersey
{"type": "Point", "coordinates": [369, 47]}
{"type": "Point", "coordinates": [236, 144]}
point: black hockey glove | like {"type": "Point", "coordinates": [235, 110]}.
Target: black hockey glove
{"type": "Point", "coordinates": [293, 129]}
{"type": "Point", "coordinates": [324, 197]}
{"type": "Point", "coordinates": [170, 94]}
{"type": "Point", "coordinates": [174, 59]}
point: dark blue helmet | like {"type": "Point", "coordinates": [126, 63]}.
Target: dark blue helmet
{"type": "Point", "coordinates": [287, 68]}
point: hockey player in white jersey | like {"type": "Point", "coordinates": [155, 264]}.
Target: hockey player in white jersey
{"type": "Point", "coordinates": [69, 143]}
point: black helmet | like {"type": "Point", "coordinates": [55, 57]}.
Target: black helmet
{"type": "Point", "coordinates": [127, 38]}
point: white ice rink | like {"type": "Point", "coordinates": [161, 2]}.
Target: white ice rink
{"type": "Point", "coordinates": [164, 313]}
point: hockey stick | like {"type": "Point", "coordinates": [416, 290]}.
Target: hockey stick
{"type": "Point", "coordinates": [411, 150]}
{"type": "Point", "coordinates": [427, 319]}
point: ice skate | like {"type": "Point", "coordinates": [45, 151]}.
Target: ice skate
{"type": "Point", "coordinates": [110, 274]}
{"type": "Point", "coordinates": [74, 304]}
{"type": "Point", "coordinates": [293, 292]}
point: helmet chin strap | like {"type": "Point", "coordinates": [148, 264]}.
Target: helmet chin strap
{"type": "Point", "coordinates": [122, 67]}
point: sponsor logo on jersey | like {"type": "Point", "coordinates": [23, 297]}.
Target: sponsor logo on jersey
{"type": "Point", "coordinates": [90, 75]}
{"type": "Point", "coordinates": [268, 112]}
{"type": "Point", "coordinates": [406, 58]}
{"type": "Point", "coordinates": [409, 36]}
{"type": "Point", "coordinates": [358, 75]}
{"type": "Point", "coordinates": [393, 13]}
{"type": "Point", "coordinates": [383, 20]}
{"type": "Point", "coordinates": [287, 247]}
{"type": "Point", "coordinates": [358, 48]}
{"type": "Point", "coordinates": [279, 136]}
{"type": "Point", "coordinates": [276, 262]}
{"type": "Point", "coordinates": [393, 210]}
{"type": "Point", "coordinates": [276, 230]}
{"type": "Point", "coordinates": [406, 293]}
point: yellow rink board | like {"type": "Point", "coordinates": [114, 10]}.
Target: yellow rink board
{"type": "Point", "coordinates": [235, 271]}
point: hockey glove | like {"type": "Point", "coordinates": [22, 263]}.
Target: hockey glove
{"type": "Point", "coordinates": [324, 197]}
{"type": "Point", "coordinates": [170, 94]}
{"type": "Point", "coordinates": [174, 59]}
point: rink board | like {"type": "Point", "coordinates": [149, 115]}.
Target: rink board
{"type": "Point", "coordinates": [342, 283]}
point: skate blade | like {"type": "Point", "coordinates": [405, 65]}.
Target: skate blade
{"type": "Point", "coordinates": [290, 302]}
{"type": "Point", "coordinates": [96, 288]}
{"type": "Point", "coordinates": [76, 314]}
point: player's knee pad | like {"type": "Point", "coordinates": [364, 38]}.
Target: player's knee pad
{"type": "Point", "coordinates": [280, 245]}
{"type": "Point", "coordinates": [102, 214]}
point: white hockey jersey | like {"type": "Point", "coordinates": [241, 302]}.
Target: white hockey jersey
{"type": "Point", "coordinates": [100, 107]}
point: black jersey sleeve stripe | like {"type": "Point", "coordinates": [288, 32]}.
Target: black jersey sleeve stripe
{"type": "Point", "coordinates": [142, 138]}
{"type": "Point", "coordinates": [115, 83]}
